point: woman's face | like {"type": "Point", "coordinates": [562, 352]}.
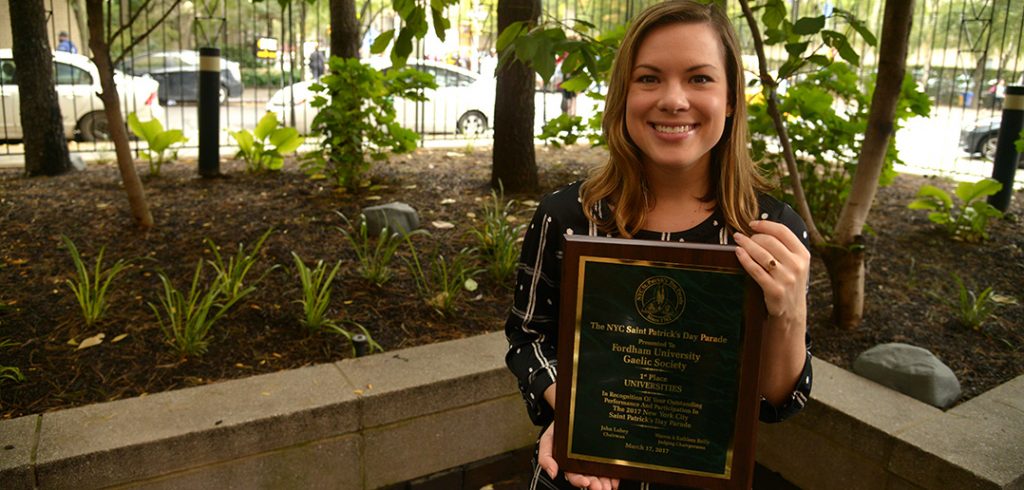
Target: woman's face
{"type": "Point", "coordinates": [678, 97]}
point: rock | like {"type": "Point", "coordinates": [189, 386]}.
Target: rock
{"type": "Point", "coordinates": [911, 370]}
{"type": "Point", "coordinates": [398, 217]}
{"type": "Point", "coordinates": [77, 163]}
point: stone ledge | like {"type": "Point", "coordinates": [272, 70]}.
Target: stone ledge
{"type": "Point", "coordinates": [868, 436]}
{"type": "Point", "coordinates": [403, 415]}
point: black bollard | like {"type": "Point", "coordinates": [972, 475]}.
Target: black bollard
{"type": "Point", "coordinates": [1005, 165]}
{"type": "Point", "coordinates": [361, 344]}
{"type": "Point", "coordinates": [209, 112]}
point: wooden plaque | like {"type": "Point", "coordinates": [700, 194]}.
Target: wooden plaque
{"type": "Point", "coordinates": [658, 360]}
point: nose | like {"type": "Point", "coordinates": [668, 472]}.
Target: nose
{"type": "Point", "coordinates": [673, 99]}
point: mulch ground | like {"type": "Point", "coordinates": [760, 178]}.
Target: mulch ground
{"type": "Point", "coordinates": [910, 267]}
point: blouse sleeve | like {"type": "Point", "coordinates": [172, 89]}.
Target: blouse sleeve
{"type": "Point", "coordinates": [798, 398]}
{"type": "Point", "coordinates": [532, 324]}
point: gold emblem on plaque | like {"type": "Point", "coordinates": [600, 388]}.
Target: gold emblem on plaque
{"type": "Point", "coordinates": [660, 300]}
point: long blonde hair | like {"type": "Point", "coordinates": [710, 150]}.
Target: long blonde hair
{"type": "Point", "coordinates": [733, 178]}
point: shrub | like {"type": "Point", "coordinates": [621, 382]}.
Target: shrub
{"type": "Point", "coordinates": [91, 288]}
{"type": "Point", "coordinates": [971, 309]}
{"type": "Point", "coordinates": [189, 317]}
{"type": "Point", "coordinates": [826, 117]}
{"type": "Point", "coordinates": [357, 118]}
{"type": "Point", "coordinates": [231, 274]}
{"type": "Point", "coordinates": [441, 282]}
{"type": "Point", "coordinates": [158, 141]}
{"type": "Point", "coordinates": [316, 293]}
{"type": "Point", "coordinates": [374, 256]}
{"type": "Point", "coordinates": [969, 222]}
{"type": "Point", "coordinates": [497, 237]}
{"type": "Point", "coordinates": [265, 147]}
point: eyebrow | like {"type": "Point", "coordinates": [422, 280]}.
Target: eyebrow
{"type": "Point", "coordinates": [690, 69]}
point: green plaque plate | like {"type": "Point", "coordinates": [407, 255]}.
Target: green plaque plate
{"type": "Point", "coordinates": [659, 349]}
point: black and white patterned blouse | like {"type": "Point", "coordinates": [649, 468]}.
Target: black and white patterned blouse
{"type": "Point", "coordinates": [532, 325]}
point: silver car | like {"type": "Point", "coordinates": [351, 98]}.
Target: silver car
{"type": "Point", "coordinates": [78, 86]}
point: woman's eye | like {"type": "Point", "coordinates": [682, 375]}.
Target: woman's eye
{"type": "Point", "coordinates": [647, 79]}
{"type": "Point", "coordinates": [701, 79]}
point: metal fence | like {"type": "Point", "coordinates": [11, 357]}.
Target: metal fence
{"type": "Point", "coordinates": [960, 51]}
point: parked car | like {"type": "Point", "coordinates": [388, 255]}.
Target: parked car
{"type": "Point", "coordinates": [462, 103]}
{"type": "Point", "coordinates": [78, 85]}
{"type": "Point", "coordinates": [178, 74]}
{"type": "Point", "coordinates": [980, 137]}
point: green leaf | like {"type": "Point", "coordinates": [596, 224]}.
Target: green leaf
{"type": "Point", "coordinates": [286, 140]}
{"type": "Point", "coordinates": [441, 23]}
{"type": "Point", "coordinates": [417, 21]}
{"type": "Point", "coordinates": [942, 196]}
{"type": "Point", "coordinates": [577, 84]}
{"type": "Point", "coordinates": [267, 124]}
{"type": "Point", "coordinates": [244, 139]}
{"type": "Point", "coordinates": [402, 48]}
{"type": "Point", "coordinates": [819, 59]}
{"type": "Point", "coordinates": [796, 49]}
{"type": "Point", "coordinates": [968, 192]}
{"type": "Point", "coordinates": [167, 138]}
{"type": "Point", "coordinates": [403, 7]}
{"type": "Point", "coordinates": [809, 25]}
{"type": "Point", "coordinates": [381, 43]}
{"type": "Point", "coordinates": [774, 13]}
{"type": "Point", "coordinates": [509, 34]}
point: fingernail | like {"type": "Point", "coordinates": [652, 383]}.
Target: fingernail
{"type": "Point", "coordinates": [551, 473]}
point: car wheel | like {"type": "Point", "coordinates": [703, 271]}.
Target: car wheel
{"type": "Point", "coordinates": [222, 95]}
{"type": "Point", "coordinates": [472, 122]}
{"type": "Point", "coordinates": [93, 127]}
{"type": "Point", "coordinates": [987, 147]}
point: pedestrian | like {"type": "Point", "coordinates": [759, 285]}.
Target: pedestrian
{"type": "Point", "coordinates": [679, 169]}
{"type": "Point", "coordinates": [316, 63]}
{"type": "Point", "coordinates": [64, 43]}
{"type": "Point", "coordinates": [1000, 94]}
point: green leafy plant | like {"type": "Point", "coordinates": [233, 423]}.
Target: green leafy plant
{"type": "Point", "coordinates": [357, 118]}
{"type": "Point", "coordinates": [188, 318]}
{"type": "Point", "coordinates": [414, 25]}
{"type": "Point", "coordinates": [10, 373]}
{"type": "Point", "coordinates": [440, 281]}
{"type": "Point", "coordinates": [316, 298]}
{"type": "Point", "coordinates": [584, 69]}
{"type": "Point", "coordinates": [374, 255]}
{"type": "Point", "coordinates": [968, 222]}
{"type": "Point", "coordinates": [497, 237]}
{"type": "Point", "coordinates": [231, 274]}
{"type": "Point", "coordinates": [826, 115]}
{"type": "Point", "coordinates": [158, 141]}
{"type": "Point", "coordinates": [316, 293]}
{"type": "Point", "coordinates": [92, 287]}
{"type": "Point", "coordinates": [971, 309]}
{"type": "Point", "coordinates": [265, 147]}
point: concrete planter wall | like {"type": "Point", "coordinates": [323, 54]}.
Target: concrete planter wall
{"type": "Point", "coordinates": [397, 416]}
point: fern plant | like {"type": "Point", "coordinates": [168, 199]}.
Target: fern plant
{"type": "Point", "coordinates": [497, 237]}
{"type": "Point", "coordinates": [374, 255]}
{"type": "Point", "coordinates": [316, 292]}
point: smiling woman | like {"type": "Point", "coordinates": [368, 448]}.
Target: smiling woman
{"type": "Point", "coordinates": [679, 169]}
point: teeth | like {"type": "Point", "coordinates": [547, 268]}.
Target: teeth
{"type": "Point", "coordinates": [673, 129]}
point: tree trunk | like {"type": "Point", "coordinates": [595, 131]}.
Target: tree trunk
{"type": "Point", "coordinates": [845, 261]}
{"type": "Point", "coordinates": [344, 29]}
{"type": "Point", "coordinates": [514, 164]}
{"type": "Point", "coordinates": [112, 109]}
{"type": "Point", "coordinates": [46, 150]}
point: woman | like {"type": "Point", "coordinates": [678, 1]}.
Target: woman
{"type": "Point", "coordinates": [679, 169]}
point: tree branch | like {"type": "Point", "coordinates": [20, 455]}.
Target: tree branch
{"type": "Point", "coordinates": [128, 24]}
{"type": "Point", "coordinates": [139, 39]}
{"type": "Point", "coordinates": [770, 87]}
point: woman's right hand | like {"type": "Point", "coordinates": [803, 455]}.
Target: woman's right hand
{"type": "Point", "coordinates": [546, 460]}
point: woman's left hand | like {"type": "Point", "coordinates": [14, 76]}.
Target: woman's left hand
{"type": "Point", "coordinates": [780, 264]}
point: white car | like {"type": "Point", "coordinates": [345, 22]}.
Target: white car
{"type": "Point", "coordinates": [78, 86]}
{"type": "Point", "coordinates": [462, 103]}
